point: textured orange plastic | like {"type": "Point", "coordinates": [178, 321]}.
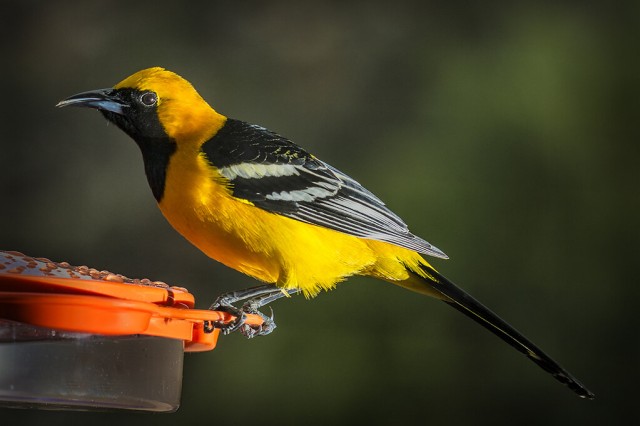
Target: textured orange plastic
{"type": "Point", "coordinates": [109, 308]}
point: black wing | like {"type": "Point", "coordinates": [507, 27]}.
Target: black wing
{"type": "Point", "coordinates": [278, 176]}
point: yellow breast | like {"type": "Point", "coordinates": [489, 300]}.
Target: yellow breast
{"type": "Point", "coordinates": [264, 245]}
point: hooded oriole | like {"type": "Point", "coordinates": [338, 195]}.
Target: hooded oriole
{"type": "Point", "coordinates": [260, 204]}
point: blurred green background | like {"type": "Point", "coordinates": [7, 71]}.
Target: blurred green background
{"type": "Point", "coordinates": [505, 134]}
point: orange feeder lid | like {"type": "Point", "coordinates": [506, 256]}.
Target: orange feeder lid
{"type": "Point", "coordinates": [59, 296]}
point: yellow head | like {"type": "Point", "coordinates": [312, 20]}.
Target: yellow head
{"type": "Point", "coordinates": [153, 103]}
{"type": "Point", "coordinates": [162, 113]}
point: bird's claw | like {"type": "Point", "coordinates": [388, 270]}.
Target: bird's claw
{"type": "Point", "coordinates": [239, 323]}
{"type": "Point", "coordinates": [267, 326]}
{"type": "Point", "coordinates": [230, 327]}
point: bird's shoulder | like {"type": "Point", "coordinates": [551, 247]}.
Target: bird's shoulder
{"type": "Point", "coordinates": [238, 142]}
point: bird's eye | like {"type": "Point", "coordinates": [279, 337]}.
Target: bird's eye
{"type": "Point", "coordinates": [149, 99]}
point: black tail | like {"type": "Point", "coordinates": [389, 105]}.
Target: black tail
{"type": "Point", "coordinates": [456, 297]}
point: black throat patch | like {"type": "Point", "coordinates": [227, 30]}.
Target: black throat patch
{"type": "Point", "coordinates": [156, 155]}
{"type": "Point", "coordinates": [143, 126]}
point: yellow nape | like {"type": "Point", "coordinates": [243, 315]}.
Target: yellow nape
{"type": "Point", "coordinates": [184, 114]}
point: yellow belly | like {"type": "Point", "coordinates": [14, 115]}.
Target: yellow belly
{"type": "Point", "coordinates": [264, 245]}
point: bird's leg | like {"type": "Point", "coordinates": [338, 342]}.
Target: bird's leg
{"type": "Point", "coordinates": [252, 305]}
{"type": "Point", "coordinates": [225, 303]}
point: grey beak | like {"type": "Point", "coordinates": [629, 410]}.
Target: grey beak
{"type": "Point", "coordinates": [101, 99]}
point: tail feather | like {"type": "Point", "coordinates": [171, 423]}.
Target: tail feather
{"type": "Point", "coordinates": [463, 302]}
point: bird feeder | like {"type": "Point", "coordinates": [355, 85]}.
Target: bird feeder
{"type": "Point", "coordinates": [79, 338]}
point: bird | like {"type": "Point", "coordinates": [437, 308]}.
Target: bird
{"type": "Point", "coordinates": [261, 204]}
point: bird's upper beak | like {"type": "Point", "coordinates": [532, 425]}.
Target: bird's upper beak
{"type": "Point", "coordinates": [102, 99]}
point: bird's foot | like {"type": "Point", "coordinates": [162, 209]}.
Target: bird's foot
{"type": "Point", "coordinates": [267, 326]}
{"type": "Point", "coordinates": [255, 297]}
{"type": "Point", "coordinates": [222, 304]}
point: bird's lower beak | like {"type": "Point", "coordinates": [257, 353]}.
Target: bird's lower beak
{"type": "Point", "coordinates": [102, 99]}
